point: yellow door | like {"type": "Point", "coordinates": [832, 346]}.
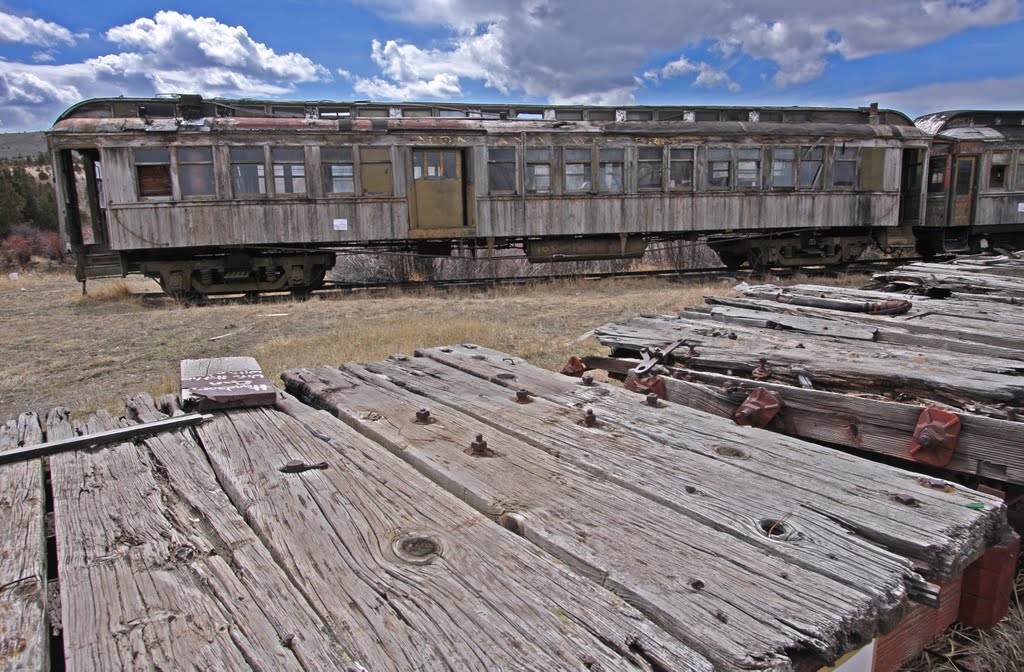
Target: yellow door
{"type": "Point", "coordinates": [438, 189]}
{"type": "Point", "coordinates": [963, 193]}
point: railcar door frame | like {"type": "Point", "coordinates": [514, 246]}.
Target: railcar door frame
{"type": "Point", "coordinates": [439, 189]}
{"type": "Point", "coordinates": [964, 187]}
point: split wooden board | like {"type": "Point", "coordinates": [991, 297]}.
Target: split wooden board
{"type": "Point", "coordinates": [194, 545]}
{"type": "Point", "coordinates": [736, 541]}
{"type": "Point", "coordinates": [23, 628]}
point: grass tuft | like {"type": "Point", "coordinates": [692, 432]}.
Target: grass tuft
{"type": "Point", "coordinates": [117, 291]}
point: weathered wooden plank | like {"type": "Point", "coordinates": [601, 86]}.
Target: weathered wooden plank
{"type": "Point", "coordinates": [986, 446]}
{"type": "Point", "coordinates": [951, 280]}
{"type": "Point", "coordinates": [243, 566]}
{"type": "Point", "coordinates": [24, 637]}
{"type": "Point", "coordinates": [733, 349]}
{"type": "Point", "coordinates": [415, 578]}
{"type": "Point", "coordinates": [725, 602]}
{"type": "Point", "coordinates": [940, 533]}
{"type": "Point", "coordinates": [90, 440]}
{"type": "Point", "coordinates": [224, 382]}
{"type": "Point", "coordinates": [975, 330]}
{"type": "Point", "coordinates": [811, 325]}
{"type": "Point", "coordinates": [140, 585]}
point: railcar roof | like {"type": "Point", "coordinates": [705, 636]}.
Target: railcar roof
{"type": "Point", "coordinates": [974, 124]}
{"type": "Point", "coordinates": [194, 106]}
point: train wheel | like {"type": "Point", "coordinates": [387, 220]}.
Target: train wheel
{"type": "Point", "coordinates": [732, 260]}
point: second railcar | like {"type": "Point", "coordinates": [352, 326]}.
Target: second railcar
{"type": "Point", "coordinates": [975, 196]}
{"type": "Point", "coordinates": [215, 195]}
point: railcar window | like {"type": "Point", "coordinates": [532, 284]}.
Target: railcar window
{"type": "Point", "coordinates": [501, 170]}
{"type": "Point", "coordinates": [937, 175]}
{"type": "Point", "coordinates": [784, 168]}
{"type": "Point", "coordinates": [1018, 180]}
{"type": "Point", "coordinates": [748, 168]}
{"type": "Point", "coordinates": [997, 171]}
{"type": "Point", "coordinates": [964, 176]}
{"type": "Point", "coordinates": [844, 166]}
{"type": "Point", "coordinates": [680, 168]}
{"type": "Point", "coordinates": [195, 171]}
{"type": "Point", "coordinates": [538, 170]}
{"type": "Point", "coordinates": [289, 170]}
{"type": "Point", "coordinates": [649, 168]}
{"type": "Point", "coordinates": [338, 169]}
{"type": "Point", "coordinates": [434, 164]}
{"type": "Point", "coordinates": [811, 161]}
{"type": "Point", "coordinates": [610, 164]}
{"type": "Point", "coordinates": [375, 170]}
{"type": "Point", "coordinates": [719, 167]}
{"type": "Point", "coordinates": [153, 169]}
{"type": "Point", "coordinates": [248, 172]}
{"type": "Point", "coordinates": [577, 170]}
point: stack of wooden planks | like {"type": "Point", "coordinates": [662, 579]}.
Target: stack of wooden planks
{"type": "Point", "coordinates": [854, 378]}
{"type": "Point", "coordinates": [463, 509]}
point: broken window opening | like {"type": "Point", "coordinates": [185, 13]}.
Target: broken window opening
{"type": "Point", "coordinates": [375, 170]}
{"type": "Point", "coordinates": [998, 169]}
{"type": "Point", "coordinates": [248, 172]}
{"type": "Point", "coordinates": [578, 170]}
{"type": "Point", "coordinates": [610, 169]}
{"type": "Point", "coordinates": [538, 170]}
{"type": "Point", "coordinates": [195, 171]}
{"type": "Point", "coordinates": [434, 164]}
{"type": "Point", "coordinates": [844, 166]}
{"type": "Point", "coordinates": [719, 167]}
{"type": "Point", "coordinates": [680, 170]}
{"type": "Point", "coordinates": [748, 168]}
{"type": "Point", "coordinates": [501, 170]}
{"type": "Point", "coordinates": [937, 175]}
{"type": "Point", "coordinates": [649, 168]}
{"type": "Point", "coordinates": [1018, 180]}
{"type": "Point", "coordinates": [784, 168]}
{"type": "Point", "coordinates": [289, 165]}
{"type": "Point", "coordinates": [338, 170]}
{"type": "Point", "coordinates": [812, 159]}
{"type": "Point", "coordinates": [153, 170]}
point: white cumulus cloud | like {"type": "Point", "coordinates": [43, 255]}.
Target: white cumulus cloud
{"type": "Point", "coordinates": [27, 30]}
{"type": "Point", "coordinates": [566, 50]}
{"type": "Point", "coordinates": [169, 53]}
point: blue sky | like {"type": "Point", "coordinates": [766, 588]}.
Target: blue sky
{"type": "Point", "coordinates": [913, 56]}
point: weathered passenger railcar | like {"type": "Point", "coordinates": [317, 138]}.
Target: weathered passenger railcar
{"type": "Point", "coordinates": [220, 195]}
{"type": "Point", "coordinates": [975, 181]}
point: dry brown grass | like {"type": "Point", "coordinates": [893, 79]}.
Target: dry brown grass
{"type": "Point", "coordinates": [87, 352]}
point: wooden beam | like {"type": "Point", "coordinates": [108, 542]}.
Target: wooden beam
{"type": "Point", "coordinates": [24, 635]}
{"type": "Point", "coordinates": [100, 438]}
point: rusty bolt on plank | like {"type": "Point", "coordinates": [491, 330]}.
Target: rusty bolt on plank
{"type": "Point", "coordinates": [478, 448]}
{"type": "Point", "coordinates": [523, 397]}
{"type": "Point", "coordinates": [905, 500]}
{"type": "Point", "coordinates": [589, 419]}
{"type": "Point", "coordinates": [587, 381]}
{"type": "Point", "coordinates": [652, 400]}
{"type": "Point", "coordinates": [763, 371]}
{"type": "Point", "coordinates": [423, 417]}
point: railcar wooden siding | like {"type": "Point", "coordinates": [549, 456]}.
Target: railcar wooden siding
{"type": "Point", "coordinates": [136, 223]}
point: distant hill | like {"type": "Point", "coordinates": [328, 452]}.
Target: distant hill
{"type": "Point", "coordinates": [22, 145]}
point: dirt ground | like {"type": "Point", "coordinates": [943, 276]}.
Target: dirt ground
{"type": "Point", "coordinates": [60, 348]}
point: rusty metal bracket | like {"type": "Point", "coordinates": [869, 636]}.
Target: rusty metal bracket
{"type": "Point", "coordinates": [652, 384]}
{"type": "Point", "coordinates": [651, 357]}
{"type": "Point", "coordinates": [759, 408]}
{"type": "Point", "coordinates": [935, 437]}
{"type": "Point", "coordinates": [574, 367]}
